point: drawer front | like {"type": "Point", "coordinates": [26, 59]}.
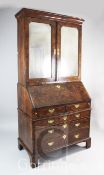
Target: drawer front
{"type": "Point", "coordinates": [53, 128]}
{"type": "Point", "coordinates": [77, 107]}
{"type": "Point", "coordinates": [61, 129]}
{"type": "Point", "coordinates": [51, 132]}
{"type": "Point", "coordinates": [50, 111]}
{"type": "Point", "coordinates": [46, 143]}
{"type": "Point", "coordinates": [79, 115]}
{"type": "Point", "coordinates": [64, 119]}
{"type": "Point", "coordinates": [47, 122]}
{"type": "Point", "coordinates": [78, 135]}
{"type": "Point", "coordinates": [73, 117]}
{"type": "Point", "coordinates": [83, 123]}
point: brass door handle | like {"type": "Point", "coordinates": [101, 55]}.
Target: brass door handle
{"type": "Point", "coordinates": [51, 110]}
{"type": "Point", "coordinates": [65, 126]}
{"type": "Point", "coordinates": [50, 143]}
{"type": "Point", "coordinates": [77, 136]}
{"type": "Point", "coordinates": [77, 106]}
{"type": "Point", "coordinates": [64, 136]}
{"type": "Point", "coordinates": [77, 115]}
{"type": "Point", "coordinates": [50, 121]}
{"type": "Point", "coordinates": [51, 131]}
{"type": "Point", "coordinates": [77, 124]}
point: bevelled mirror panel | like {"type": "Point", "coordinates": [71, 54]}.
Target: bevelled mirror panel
{"type": "Point", "coordinates": [39, 50]}
{"type": "Point", "coordinates": [69, 52]}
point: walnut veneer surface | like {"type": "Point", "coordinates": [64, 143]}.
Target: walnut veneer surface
{"type": "Point", "coordinates": [54, 112]}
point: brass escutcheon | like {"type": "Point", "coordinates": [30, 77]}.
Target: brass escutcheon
{"type": "Point", "coordinates": [64, 136]}
{"type": "Point", "coordinates": [58, 86]}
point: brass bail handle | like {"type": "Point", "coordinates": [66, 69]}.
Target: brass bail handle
{"type": "Point", "coordinates": [51, 110]}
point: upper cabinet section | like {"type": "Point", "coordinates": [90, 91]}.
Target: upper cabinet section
{"type": "Point", "coordinates": [49, 47]}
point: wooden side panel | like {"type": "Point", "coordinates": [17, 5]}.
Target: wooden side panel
{"type": "Point", "coordinates": [21, 52]}
{"type": "Point", "coordinates": [25, 130]}
{"type": "Point", "coordinates": [24, 101]}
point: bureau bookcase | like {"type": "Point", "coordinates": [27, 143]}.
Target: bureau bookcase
{"type": "Point", "coordinates": [53, 104]}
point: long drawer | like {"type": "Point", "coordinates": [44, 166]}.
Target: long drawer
{"type": "Point", "coordinates": [47, 144]}
{"type": "Point", "coordinates": [60, 110]}
{"type": "Point", "coordinates": [66, 127]}
{"type": "Point", "coordinates": [62, 119]}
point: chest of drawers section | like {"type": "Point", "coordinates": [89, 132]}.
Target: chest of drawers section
{"type": "Point", "coordinates": [51, 118]}
{"type": "Point", "coordinates": [58, 127]}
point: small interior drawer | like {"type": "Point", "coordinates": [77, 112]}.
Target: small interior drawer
{"type": "Point", "coordinates": [77, 107]}
{"type": "Point", "coordinates": [49, 111]}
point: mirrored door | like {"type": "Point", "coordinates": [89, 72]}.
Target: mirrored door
{"type": "Point", "coordinates": [41, 50]}
{"type": "Point", "coordinates": [68, 56]}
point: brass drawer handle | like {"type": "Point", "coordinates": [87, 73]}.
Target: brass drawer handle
{"type": "Point", "coordinates": [58, 86]}
{"type": "Point", "coordinates": [77, 124]}
{"type": "Point", "coordinates": [65, 118]}
{"type": "Point", "coordinates": [51, 131]}
{"type": "Point", "coordinates": [51, 110]}
{"type": "Point", "coordinates": [50, 143]}
{"type": "Point", "coordinates": [77, 136]}
{"type": "Point", "coordinates": [77, 106]}
{"type": "Point", "coordinates": [50, 121]}
{"type": "Point", "coordinates": [77, 115]}
{"type": "Point", "coordinates": [65, 126]}
{"type": "Point", "coordinates": [64, 136]}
